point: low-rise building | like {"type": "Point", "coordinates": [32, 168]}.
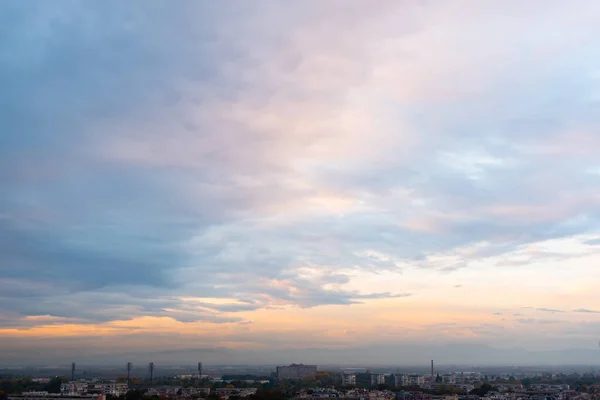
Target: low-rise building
{"type": "Point", "coordinates": [109, 388]}
{"type": "Point", "coordinates": [361, 394]}
{"type": "Point", "coordinates": [457, 387]}
{"type": "Point", "coordinates": [319, 393]}
{"type": "Point", "coordinates": [351, 394]}
{"type": "Point", "coordinates": [74, 387]}
{"type": "Point", "coordinates": [165, 391]}
{"type": "Point", "coordinates": [224, 393]}
{"type": "Point", "coordinates": [510, 387]}
{"type": "Point", "coordinates": [191, 391]}
{"type": "Point", "coordinates": [83, 387]}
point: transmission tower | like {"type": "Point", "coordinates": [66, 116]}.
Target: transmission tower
{"type": "Point", "coordinates": [129, 366]}
{"type": "Point", "coordinates": [151, 371]}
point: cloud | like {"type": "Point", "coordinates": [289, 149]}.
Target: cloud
{"type": "Point", "coordinates": [585, 310]}
{"type": "Point", "coordinates": [526, 320]}
{"type": "Point", "coordinates": [549, 310]}
{"type": "Point", "coordinates": [544, 309]}
{"type": "Point", "coordinates": [266, 156]}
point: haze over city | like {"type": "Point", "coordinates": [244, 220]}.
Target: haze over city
{"type": "Point", "coordinates": [268, 182]}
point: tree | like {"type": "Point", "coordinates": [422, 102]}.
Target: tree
{"type": "Point", "coordinates": [54, 385]}
{"type": "Point", "coordinates": [134, 395]}
{"type": "Point", "coordinates": [483, 390]}
{"type": "Point", "coordinates": [268, 394]}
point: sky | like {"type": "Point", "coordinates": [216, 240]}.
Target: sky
{"type": "Point", "coordinates": [270, 181]}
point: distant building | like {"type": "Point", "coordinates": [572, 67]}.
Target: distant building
{"type": "Point", "coordinates": [110, 388]}
{"type": "Point", "coordinates": [349, 380]}
{"type": "Point", "coordinates": [74, 388]}
{"type": "Point", "coordinates": [400, 380]}
{"type": "Point", "coordinates": [416, 380]}
{"type": "Point", "coordinates": [224, 393]}
{"type": "Point", "coordinates": [510, 387]}
{"type": "Point", "coordinates": [80, 388]}
{"type": "Point", "coordinates": [191, 391]}
{"type": "Point", "coordinates": [318, 393]}
{"type": "Point", "coordinates": [362, 394]}
{"type": "Point", "coordinates": [163, 391]}
{"type": "Point", "coordinates": [296, 371]}
{"type": "Point", "coordinates": [377, 379]}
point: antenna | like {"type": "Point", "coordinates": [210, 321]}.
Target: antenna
{"type": "Point", "coordinates": [129, 366]}
{"type": "Point", "coordinates": [151, 371]}
{"type": "Point", "coordinates": [72, 371]}
{"type": "Point", "coordinates": [199, 371]}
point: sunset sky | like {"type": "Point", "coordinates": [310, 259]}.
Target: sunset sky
{"type": "Point", "coordinates": [264, 177]}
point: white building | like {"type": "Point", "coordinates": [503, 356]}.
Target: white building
{"type": "Point", "coordinates": [74, 388]}
{"type": "Point", "coordinates": [349, 380]}
{"type": "Point", "coordinates": [377, 379]}
{"type": "Point", "coordinates": [111, 388]}
{"type": "Point", "coordinates": [296, 371]}
{"type": "Point", "coordinates": [106, 388]}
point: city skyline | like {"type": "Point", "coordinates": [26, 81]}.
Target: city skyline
{"type": "Point", "coordinates": [274, 180]}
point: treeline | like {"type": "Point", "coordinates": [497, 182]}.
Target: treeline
{"type": "Point", "coordinates": [246, 377]}
{"type": "Point", "coordinates": [572, 380]}
{"type": "Point", "coordinates": [261, 394]}
{"type": "Point", "coordinates": [20, 385]}
{"type": "Point", "coordinates": [483, 390]}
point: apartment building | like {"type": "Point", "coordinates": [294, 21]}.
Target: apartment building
{"type": "Point", "coordinates": [400, 380]}
{"type": "Point", "coordinates": [377, 379]}
{"type": "Point", "coordinates": [349, 380]}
